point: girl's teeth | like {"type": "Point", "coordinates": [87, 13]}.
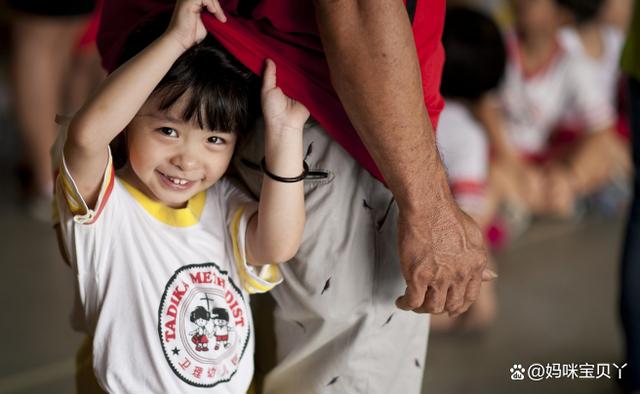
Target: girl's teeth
{"type": "Point", "coordinates": [177, 181]}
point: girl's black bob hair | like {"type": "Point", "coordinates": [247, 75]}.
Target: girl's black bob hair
{"type": "Point", "coordinates": [222, 94]}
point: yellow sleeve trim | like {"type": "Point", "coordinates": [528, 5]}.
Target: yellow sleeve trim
{"type": "Point", "coordinates": [77, 206]}
{"type": "Point", "coordinates": [266, 277]}
{"type": "Point", "coordinates": [74, 201]}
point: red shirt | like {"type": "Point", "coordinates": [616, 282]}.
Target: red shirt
{"type": "Point", "coordinates": [286, 31]}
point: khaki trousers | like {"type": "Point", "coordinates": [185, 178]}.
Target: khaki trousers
{"type": "Point", "coordinates": [336, 327]}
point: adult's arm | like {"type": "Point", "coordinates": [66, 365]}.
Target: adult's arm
{"type": "Point", "coordinates": [374, 68]}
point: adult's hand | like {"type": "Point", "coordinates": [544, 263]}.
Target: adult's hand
{"type": "Point", "coordinates": [443, 258]}
{"type": "Point", "coordinates": [374, 68]}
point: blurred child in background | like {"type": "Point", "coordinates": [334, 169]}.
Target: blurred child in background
{"type": "Point", "coordinates": [597, 42]}
{"type": "Point", "coordinates": [543, 82]}
{"type": "Point", "coordinates": [52, 71]}
{"type": "Point", "coordinates": [595, 34]}
{"type": "Point", "coordinates": [474, 66]}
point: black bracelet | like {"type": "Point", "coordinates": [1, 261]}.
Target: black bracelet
{"type": "Point", "coordinates": [305, 171]}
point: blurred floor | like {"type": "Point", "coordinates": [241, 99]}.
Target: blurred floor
{"type": "Point", "coordinates": [557, 304]}
{"type": "Point", "coordinates": [35, 291]}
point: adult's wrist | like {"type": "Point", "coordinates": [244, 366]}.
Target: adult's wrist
{"type": "Point", "coordinates": [428, 193]}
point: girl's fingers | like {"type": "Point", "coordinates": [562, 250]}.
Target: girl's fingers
{"type": "Point", "coordinates": [213, 6]}
{"type": "Point", "coordinates": [269, 77]}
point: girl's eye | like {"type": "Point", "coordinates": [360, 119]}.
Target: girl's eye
{"type": "Point", "coordinates": [215, 140]}
{"type": "Point", "coordinates": [168, 131]}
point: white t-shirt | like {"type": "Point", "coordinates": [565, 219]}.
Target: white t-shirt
{"type": "Point", "coordinates": [534, 104]}
{"type": "Point", "coordinates": [606, 68]}
{"type": "Point", "coordinates": [463, 146]}
{"type": "Point", "coordinates": [160, 287]}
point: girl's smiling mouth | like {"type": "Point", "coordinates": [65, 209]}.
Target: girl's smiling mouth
{"type": "Point", "coordinates": [175, 183]}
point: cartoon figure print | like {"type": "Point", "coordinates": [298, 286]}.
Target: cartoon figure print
{"type": "Point", "coordinates": [200, 336]}
{"type": "Point", "coordinates": [221, 327]}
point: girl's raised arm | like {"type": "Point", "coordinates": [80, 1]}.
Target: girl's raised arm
{"type": "Point", "coordinates": [275, 232]}
{"type": "Point", "coordinates": [120, 97]}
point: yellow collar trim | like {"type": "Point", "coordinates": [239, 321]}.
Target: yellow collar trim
{"type": "Point", "coordinates": [177, 217]}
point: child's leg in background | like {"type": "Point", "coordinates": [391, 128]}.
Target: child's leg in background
{"type": "Point", "coordinates": [42, 51]}
{"type": "Point", "coordinates": [595, 160]}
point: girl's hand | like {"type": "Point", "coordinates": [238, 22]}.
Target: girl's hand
{"type": "Point", "coordinates": [186, 24]}
{"type": "Point", "coordinates": [280, 112]}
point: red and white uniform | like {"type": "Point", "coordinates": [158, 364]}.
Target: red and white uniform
{"type": "Point", "coordinates": [534, 104]}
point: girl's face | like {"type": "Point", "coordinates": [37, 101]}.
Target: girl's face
{"type": "Point", "coordinates": [534, 17]}
{"type": "Point", "coordinates": [171, 160]}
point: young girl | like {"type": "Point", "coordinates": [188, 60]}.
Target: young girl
{"type": "Point", "coordinates": [167, 235]}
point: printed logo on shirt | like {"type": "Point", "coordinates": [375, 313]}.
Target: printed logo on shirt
{"type": "Point", "coordinates": [203, 325]}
